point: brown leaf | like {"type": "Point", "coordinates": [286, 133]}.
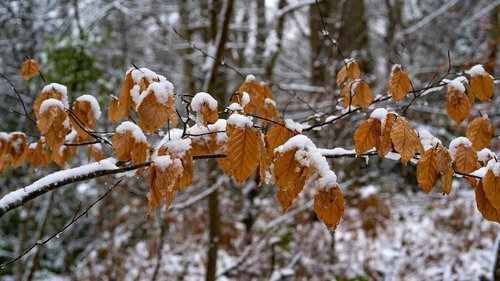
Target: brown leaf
{"type": "Point", "coordinates": [405, 139]}
{"type": "Point", "coordinates": [269, 111]}
{"type": "Point", "coordinates": [29, 69]}
{"type": "Point", "coordinates": [367, 135]}
{"type": "Point", "coordinates": [491, 186]}
{"type": "Point", "coordinates": [290, 190]}
{"type": "Point", "coordinates": [466, 161]}
{"type": "Point", "coordinates": [209, 116]}
{"type": "Point", "coordinates": [265, 162]}
{"type": "Point", "coordinates": [18, 149]}
{"type": "Point", "coordinates": [126, 102]}
{"type": "Point", "coordinates": [51, 93]}
{"type": "Point", "coordinates": [399, 85]}
{"type": "Point", "coordinates": [114, 114]}
{"type": "Point", "coordinates": [256, 92]}
{"type": "Point", "coordinates": [350, 72]}
{"type": "Point", "coordinates": [479, 132]}
{"type": "Point", "coordinates": [482, 86]}
{"type": "Point", "coordinates": [385, 140]}
{"type": "Point", "coordinates": [154, 114]}
{"type": "Point", "coordinates": [362, 95]}
{"type": "Point", "coordinates": [446, 181]}
{"type": "Point", "coordinates": [457, 105]}
{"type": "Point", "coordinates": [82, 118]}
{"type": "Point", "coordinates": [162, 182]}
{"type": "Point", "coordinates": [62, 156]}
{"type": "Point", "coordinates": [427, 170]}
{"type": "Point", "coordinates": [484, 206]}
{"type": "Point", "coordinates": [186, 177]}
{"type": "Point", "coordinates": [53, 126]}
{"type": "Point", "coordinates": [243, 152]}
{"type": "Point", "coordinates": [329, 206]}
{"type": "Point", "coordinates": [445, 169]}
{"type": "Point", "coordinates": [277, 136]}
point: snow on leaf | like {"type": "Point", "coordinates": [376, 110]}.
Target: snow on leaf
{"type": "Point", "coordinates": [85, 115]}
{"type": "Point", "coordinates": [329, 206]}
{"type": "Point", "coordinates": [367, 135]}
{"type": "Point", "coordinates": [129, 143]}
{"type": "Point", "coordinates": [29, 69]}
{"type": "Point", "coordinates": [277, 136]}
{"type": "Point", "coordinates": [155, 106]}
{"type": "Point", "coordinates": [256, 93]}
{"type": "Point", "coordinates": [457, 104]}
{"type": "Point", "coordinates": [405, 140]}
{"type": "Point", "coordinates": [205, 107]}
{"type": "Point", "coordinates": [479, 132]}
{"type": "Point", "coordinates": [17, 148]}
{"type": "Point", "coordinates": [51, 91]}
{"type": "Point", "coordinates": [52, 124]}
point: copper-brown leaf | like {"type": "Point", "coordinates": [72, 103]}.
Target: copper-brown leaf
{"type": "Point", "coordinates": [350, 71]}
{"type": "Point", "coordinates": [385, 139]}
{"type": "Point", "coordinates": [427, 170]}
{"type": "Point", "coordinates": [367, 135]}
{"type": "Point", "coordinates": [114, 113]}
{"type": "Point", "coordinates": [53, 125]}
{"type": "Point", "coordinates": [482, 86]}
{"type": "Point", "coordinates": [329, 206]}
{"type": "Point", "coordinates": [18, 149]}
{"type": "Point", "coordinates": [47, 93]}
{"type": "Point", "coordinates": [362, 95]}
{"type": "Point", "coordinates": [445, 169]}
{"type": "Point", "coordinates": [154, 114]}
{"type": "Point", "coordinates": [491, 186]}
{"type": "Point", "coordinates": [479, 132]}
{"type": "Point", "coordinates": [186, 177]}
{"type": "Point", "coordinates": [277, 136]}
{"type": "Point", "coordinates": [256, 92]}
{"type": "Point", "coordinates": [265, 162]}
{"type": "Point", "coordinates": [484, 206]}
{"type": "Point", "coordinates": [405, 139]}
{"type": "Point", "coordinates": [82, 118]}
{"type": "Point", "coordinates": [457, 105]}
{"type": "Point", "coordinates": [243, 152]}
{"type": "Point", "coordinates": [290, 189]}
{"type": "Point", "coordinates": [399, 85]}
{"type": "Point", "coordinates": [29, 69]}
{"type": "Point", "coordinates": [466, 161]}
{"type": "Point", "coordinates": [126, 102]}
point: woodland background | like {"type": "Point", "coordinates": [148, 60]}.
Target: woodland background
{"type": "Point", "coordinates": [391, 230]}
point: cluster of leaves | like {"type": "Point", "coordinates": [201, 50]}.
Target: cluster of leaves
{"type": "Point", "coordinates": [255, 138]}
{"type": "Point", "coordinates": [468, 156]}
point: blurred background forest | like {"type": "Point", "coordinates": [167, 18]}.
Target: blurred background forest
{"type": "Point", "coordinates": [390, 230]}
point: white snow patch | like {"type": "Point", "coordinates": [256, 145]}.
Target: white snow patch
{"type": "Point", "coordinates": [61, 89]}
{"type": "Point", "coordinates": [427, 139]}
{"type": "Point", "coordinates": [16, 196]}
{"type": "Point", "coordinates": [456, 84]}
{"type": "Point", "coordinates": [235, 107]}
{"type": "Point", "coordinates": [485, 154]}
{"type": "Point", "coordinates": [162, 91]}
{"type": "Point", "coordinates": [494, 166]}
{"type": "Point", "coordinates": [456, 142]}
{"type": "Point", "coordinates": [94, 105]}
{"type": "Point", "coordinates": [200, 98]}
{"type": "Point", "coordinates": [368, 191]}
{"type": "Point", "coordinates": [249, 78]}
{"type": "Point", "coordinates": [46, 104]}
{"type": "Point", "coordinates": [476, 70]}
{"type": "Point", "coordinates": [239, 121]}
{"type": "Point", "coordinates": [380, 114]}
{"type": "Point", "coordinates": [270, 101]}
{"type": "Point", "coordinates": [131, 127]}
{"type": "Point", "coordinates": [291, 125]}
{"type": "Point", "coordinates": [245, 99]}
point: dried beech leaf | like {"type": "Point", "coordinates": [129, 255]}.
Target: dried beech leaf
{"type": "Point", "coordinates": [243, 152]}
{"type": "Point", "coordinates": [126, 102]}
{"type": "Point", "coordinates": [446, 181]}
{"type": "Point", "coordinates": [367, 135]}
{"type": "Point", "coordinates": [484, 206]}
{"type": "Point", "coordinates": [479, 132]}
{"type": "Point", "coordinates": [82, 118]}
{"type": "Point", "coordinates": [269, 111]}
{"type": "Point", "coordinates": [140, 152]}
{"type": "Point", "coordinates": [53, 125]}
{"type": "Point", "coordinates": [405, 139]}
{"type": "Point", "coordinates": [362, 95]}
{"type": "Point", "coordinates": [51, 94]}
{"type": "Point", "coordinates": [445, 169]}
{"type": "Point", "coordinates": [427, 170]}
{"type": "Point", "coordinates": [399, 86]}
{"type": "Point", "coordinates": [350, 72]}
{"type": "Point", "coordinates": [209, 116]}
{"type": "Point", "coordinates": [385, 139]}
{"type": "Point", "coordinates": [154, 114]}
{"type": "Point", "coordinates": [491, 187]}
{"type": "Point", "coordinates": [277, 136]}
{"type": "Point", "coordinates": [122, 145]}
{"type": "Point", "coordinates": [62, 156]}
{"type": "Point", "coordinates": [114, 114]}
{"type": "Point", "coordinates": [329, 206]}
{"type": "Point", "coordinates": [291, 190]}
{"type": "Point", "coordinates": [18, 149]}
{"type": "Point", "coordinates": [265, 162]}
{"type": "Point", "coordinates": [466, 161]}
{"type": "Point", "coordinates": [186, 177]}
{"type": "Point", "coordinates": [29, 69]}
{"type": "Point", "coordinates": [457, 105]}
{"type": "Point", "coordinates": [482, 86]}
{"type": "Point", "coordinates": [256, 92]}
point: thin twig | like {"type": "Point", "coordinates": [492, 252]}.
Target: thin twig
{"type": "Point", "coordinates": [19, 97]}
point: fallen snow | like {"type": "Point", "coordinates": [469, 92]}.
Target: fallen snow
{"type": "Point", "coordinates": [162, 91]}
{"type": "Point", "coordinates": [456, 84]}
{"type": "Point", "coordinates": [61, 89]}
{"type": "Point", "coordinates": [380, 114]}
{"type": "Point", "coordinates": [291, 125]}
{"type": "Point", "coordinates": [94, 105]}
{"type": "Point", "coordinates": [427, 139]}
{"type": "Point", "coordinates": [200, 98]}
{"type": "Point", "coordinates": [239, 121]}
{"type": "Point", "coordinates": [128, 126]}
{"type": "Point", "coordinates": [476, 70]}
{"type": "Point", "coordinates": [16, 196]}
{"type": "Point", "coordinates": [46, 104]}
{"type": "Point", "coordinates": [245, 99]}
{"type": "Point", "coordinates": [456, 142]}
{"type": "Point", "coordinates": [485, 154]}
{"type": "Point", "coordinates": [249, 78]}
